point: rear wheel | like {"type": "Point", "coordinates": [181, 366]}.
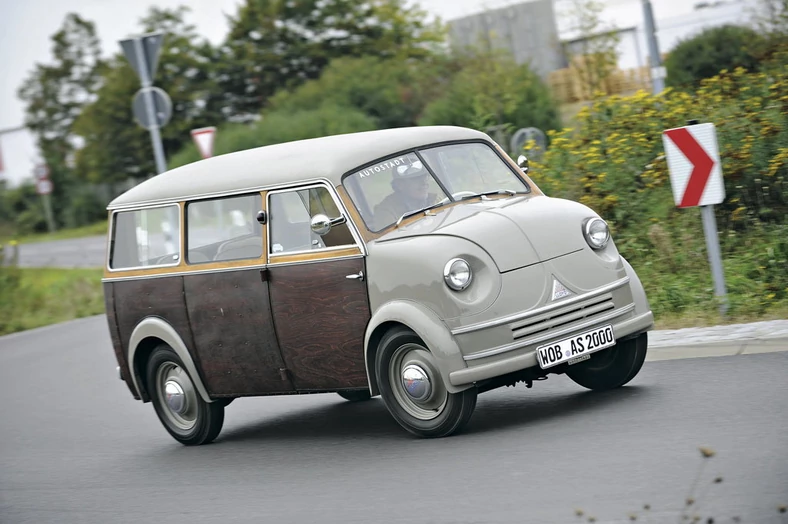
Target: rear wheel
{"type": "Point", "coordinates": [613, 367]}
{"type": "Point", "coordinates": [183, 413]}
{"type": "Point", "coordinates": [412, 388]}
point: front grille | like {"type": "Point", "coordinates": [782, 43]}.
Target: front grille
{"type": "Point", "coordinates": [557, 318]}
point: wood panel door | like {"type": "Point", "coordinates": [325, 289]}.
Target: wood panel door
{"type": "Point", "coordinates": [234, 336]}
{"type": "Point", "coordinates": [320, 317]}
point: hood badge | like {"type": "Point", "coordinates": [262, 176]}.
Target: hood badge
{"type": "Point", "coordinates": [559, 290]}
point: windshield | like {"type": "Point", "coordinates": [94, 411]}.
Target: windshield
{"type": "Point", "coordinates": [385, 191]}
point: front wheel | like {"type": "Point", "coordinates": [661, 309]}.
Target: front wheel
{"type": "Point", "coordinates": [613, 367]}
{"type": "Point", "coordinates": [413, 390]}
{"type": "Point", "coordinates": [183, 413]}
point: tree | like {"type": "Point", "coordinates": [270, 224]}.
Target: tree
{"type": "Point", "coordinates": [492, 90]}
{"type": "Point", "coordinates": [593, 52]}
{"type": "Point", "coordinates": [116, 147]}
{"type": "Point", "coordinates": [274, 44]}
{"type": "Point", "coordinates": [57, 93]}
{"type": "Point", "coordinates": [706, 54]}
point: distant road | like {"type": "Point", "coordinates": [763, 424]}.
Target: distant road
{"type": "Point", "coordinates": [84, 252]}
{"type": "Point", "coordinates": [76, 448]}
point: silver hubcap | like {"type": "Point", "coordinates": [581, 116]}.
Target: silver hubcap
{"type": "Point", "coordinates": [177, 396]}
{"type": "Point", "coordinates": [415, 382]}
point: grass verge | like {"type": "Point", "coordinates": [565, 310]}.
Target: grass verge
{"type": "Point", "coordinates": [35, 297]}
{"type": "Point", "coordinates": [99, 228]}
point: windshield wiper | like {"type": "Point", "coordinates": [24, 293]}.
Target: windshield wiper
{"type": "Point", "coordinates": [417, 211]}
{"type": "Point", "coordinates": [491, 192]}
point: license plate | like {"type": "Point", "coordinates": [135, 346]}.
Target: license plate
{"type": "Point", "coordinates": [575, 348]}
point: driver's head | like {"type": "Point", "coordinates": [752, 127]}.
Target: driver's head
{"type": "Point", "coordinates": [412, 180]}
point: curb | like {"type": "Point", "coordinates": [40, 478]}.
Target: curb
{"type": "Point", "coordinates": [732, 334]}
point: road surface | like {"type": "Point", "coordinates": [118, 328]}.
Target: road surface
{"type": "Point", "coordinates": [86, 252]}
{"type": "Point", "coordinates": [75, 447]}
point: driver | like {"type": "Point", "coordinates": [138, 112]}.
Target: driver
{"type": "Point", "coordinates": [411, 185]}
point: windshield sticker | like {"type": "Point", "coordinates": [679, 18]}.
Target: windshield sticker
{"type": "Point", "coordinates": [382, 167]}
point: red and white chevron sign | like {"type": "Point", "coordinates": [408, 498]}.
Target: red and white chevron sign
{"type": "Point", "coordinates": [694, 165]}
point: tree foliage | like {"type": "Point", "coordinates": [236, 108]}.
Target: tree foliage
{"type": "Point", "coordinates": [710, 51]}
{"type": "Point", "coordinates": [274, 44]}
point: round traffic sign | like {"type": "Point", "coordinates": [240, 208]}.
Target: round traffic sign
{"type": "Point", "coordinates": [43, 186]}
{"type": "Point", "coordinates": [162, 107]}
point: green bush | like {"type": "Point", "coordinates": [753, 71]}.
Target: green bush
{"type": "Point", "coordinates": [281, 126]}
{"type": "Point", "coordinates": [711, 51]}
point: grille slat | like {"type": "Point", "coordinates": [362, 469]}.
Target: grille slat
{"type": "Point", "coordinates": [562, 317]}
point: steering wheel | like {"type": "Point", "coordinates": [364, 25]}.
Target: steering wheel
{"type": "Point", "coordinates": [458, 194]}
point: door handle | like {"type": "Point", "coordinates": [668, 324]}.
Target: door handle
{"type": "Point", "coordinates": [356, 276]}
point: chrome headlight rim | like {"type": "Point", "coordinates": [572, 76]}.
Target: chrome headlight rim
{"type": "Point", "coordinates": [589, 223]}
{"type": "Point", "coordinates": [447, 274]}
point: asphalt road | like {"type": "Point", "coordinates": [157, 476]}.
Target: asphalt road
{"type": "Point", "coordinates": [75, 447]}
{"type": "Point", "coordinates": [84, 252]}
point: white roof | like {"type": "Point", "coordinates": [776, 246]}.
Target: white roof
{"type": "Point", "coordinates": [326, 157]}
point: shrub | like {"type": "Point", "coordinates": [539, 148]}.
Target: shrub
{"type": "Point", "coordinates": [709, 52]}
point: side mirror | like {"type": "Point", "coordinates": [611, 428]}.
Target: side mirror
{"type": "Point", "coordinates": [321, 224]}
{"type": "Point", "coordinates": [522, 161]}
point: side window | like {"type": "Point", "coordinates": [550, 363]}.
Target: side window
{"type": "Point", "coordinates": [145, 238]}
{"type": "Point", "coordinates": [290, 214]}
{"type": "Point", "coordinates": [224, 229]}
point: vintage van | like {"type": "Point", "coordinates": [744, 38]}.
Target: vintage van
{"type": "Point", "coordinates": [419, 264]}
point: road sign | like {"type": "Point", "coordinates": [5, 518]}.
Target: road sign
{"type": "Point", "coordinates": [151, 46]}
{"type": "Point", "coordinates": [43, 186]}
{"type": "Point", "coordinates": [694, 164]}
{"type": "Point", "coordinates": [696, 178]}
{"type": "Point", "coordinates": [41, 172]}
{"type": "Point", "coordinates": [162, 108]}
{"type": "Point", "coordinates": [204, 138]}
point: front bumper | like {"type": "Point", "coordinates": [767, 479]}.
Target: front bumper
{"type": "Point", "coordinates": [502, 364]}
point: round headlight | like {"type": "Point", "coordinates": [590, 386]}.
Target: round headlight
{"type": "Point", "coordinates": [457, 274]}
{"type": "Point", "coordinates": [597, 233]}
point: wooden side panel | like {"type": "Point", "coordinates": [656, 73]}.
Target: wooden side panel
{"type": "Point", "coordinates": [161, 297]}
{"type": "Point", "coordinates": [320, 318]}
{"type": "Point", "coordinates": [234, 335]}
{"type": "Point", "coordinates": [118, 346]}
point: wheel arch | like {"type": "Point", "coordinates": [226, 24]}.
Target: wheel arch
{"type": "Point", "coordinates": [427, 325]}
{"type": "Point", "coordinates": [147, 335]}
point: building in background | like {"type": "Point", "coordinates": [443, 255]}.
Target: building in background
{"type": "Point", "coordinates": [534, 31]}
{"type": "Point", "coordinates": [527, 30]}
{"type": "Point", "coordinates": [18, 156]}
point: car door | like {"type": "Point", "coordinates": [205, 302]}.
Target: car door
{"type": "Point", "coordinates": [319, 297]}
{"type": "Point", "coordinates": [227, 298]}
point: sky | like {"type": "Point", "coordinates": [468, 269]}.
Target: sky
{"type": "Point", "coordinates": [27, 25]}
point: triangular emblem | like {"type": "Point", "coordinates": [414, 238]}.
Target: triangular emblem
{"type": "Point", "coordinates": [559, 290]}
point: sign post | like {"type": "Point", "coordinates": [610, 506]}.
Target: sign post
{"type": "Point", "coordinates": [152, 106]}
{"type": "Point", "coordinates": [44, 188]}
{"type": "Point", "coordinates": [693, 161]}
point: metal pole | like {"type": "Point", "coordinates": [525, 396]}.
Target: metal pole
{"type": "Point", "coordinates": [715, 258]}
{"type": "Point", "coordinates": [48, 212]}
{"type": "Point", "coordinates": [158, 149]}
{"type": "Point", "coordinates": [657, 71]}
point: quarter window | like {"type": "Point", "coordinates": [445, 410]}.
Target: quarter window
{"type": "Point", "coordinates": [290, 215]}
{"type": "Point", "coordinates": [145, 238]}
{"type": "Point", "coordinates": [224, 229]}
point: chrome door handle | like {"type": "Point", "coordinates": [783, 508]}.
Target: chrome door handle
{"type": "Point", "coordinates": [356, 276]}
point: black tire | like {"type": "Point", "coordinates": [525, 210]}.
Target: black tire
{"type": "Point", "coordinates": [613, 367]}
{"type": "Point", "coordinates": [440, 415]}
{"type": "Point", "coordinates": [355, 395]}
{"type": "Point", "coordinates": [200, 422]}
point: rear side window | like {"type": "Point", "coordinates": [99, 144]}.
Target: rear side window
{"type": "Point", "coordinates": [224, 229]}
{"type": "Point", "coordinates": [145, 238]}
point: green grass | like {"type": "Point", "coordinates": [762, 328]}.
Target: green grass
{"type": "Point", "coordinates": [99, 228]}
{"type": "Point", "coordinates": [33, 297]}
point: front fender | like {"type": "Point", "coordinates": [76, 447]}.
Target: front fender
{"type": "Point", "coordinates": [427, 325]}
{"type": "Point", "coordinates": [638, 292]}
{"type": "Point", "coordinates": [155, 327]}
